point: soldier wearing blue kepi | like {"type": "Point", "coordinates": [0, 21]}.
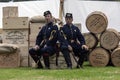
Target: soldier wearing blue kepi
{"type": "Point", "coordinates": [75, 41]}
{"type": "Point", "coordinates": [45, 42]}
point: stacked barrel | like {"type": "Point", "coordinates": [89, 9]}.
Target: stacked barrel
{"type": "Point", "coordinates": [102, 42]}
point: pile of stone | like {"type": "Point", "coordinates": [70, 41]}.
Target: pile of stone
{"type": "Point", "coordinates": [15, 31]}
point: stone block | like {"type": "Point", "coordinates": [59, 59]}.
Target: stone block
{"type": "Point", "coordinates": [16, 23]}
{"type": "Point", "coordinates": [9, 56]}
{"type": "Point", "coordinates": [9, 60]}
{"type": "Point", "coordinates": [18, 37]}
{"type": "Point", "coordinates": [34, 30]}
{"type": "Point", "coordinates": [24, 56]}
{"type": "Point", "coordinates": [10, 11]}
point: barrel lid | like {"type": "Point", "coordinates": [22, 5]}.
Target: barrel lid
{"type": "Point", "coordinates": [99, 57]}
{"type": "Point", "coordinates": [109, 40]}
{"type": "Point", "coordinates": [115, 57]}
{"type": "Point", "coordinates": [96, 22]}
{"type": "Point", "coordinates": [91, 40]}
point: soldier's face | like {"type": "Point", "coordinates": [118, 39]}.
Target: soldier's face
{"type": "Point", "coordinates": [48, 18]}
{"type": "Point", "coordinates": [69, 20]}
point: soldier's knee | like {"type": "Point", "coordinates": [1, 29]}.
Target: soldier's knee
{"type": "Point", "coordinates": [62, 48]}
{"type": "Point", "coordinates": [31, 51]}
{"type": "Point", "coordinates": [84, 51]}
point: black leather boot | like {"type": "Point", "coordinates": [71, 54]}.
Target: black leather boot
{"type": "Point", "coordinates": [46, 62]}
{"type": "Point", "coordinates": [80, 62]}
{"type": "Point", "coordinates": [39, 65]}
{"type": "Point", "coordinates": [67, 59]}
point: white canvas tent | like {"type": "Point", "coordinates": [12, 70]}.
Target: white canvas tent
{"type": "Point", "coordinates": [32, 8]}
{"type": "Point", "coordinates": [80, 10]}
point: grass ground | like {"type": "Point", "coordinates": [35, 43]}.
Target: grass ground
{"type": "Point", "coordinates": [88, 73]}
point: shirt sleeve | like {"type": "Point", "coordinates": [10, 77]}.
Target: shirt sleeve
{"type": "Point", "coordinates": [39, 37]}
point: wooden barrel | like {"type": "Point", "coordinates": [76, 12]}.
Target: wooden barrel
{"type": "Point", "coordinates": [96, 22]}
{"type": "Point", "coordinates": [115, 57]}
{"type": "Point", "coordinates": [91, 40]}
{"type": "Point", "coordinates": [109, 40]}
{"type": "Point", "coordinates": [99, 57]}
{"type": "Point", "coordinates": [115, 31]}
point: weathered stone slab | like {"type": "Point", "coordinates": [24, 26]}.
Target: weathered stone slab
{"type": "Point", "coordinates": [10, 11]}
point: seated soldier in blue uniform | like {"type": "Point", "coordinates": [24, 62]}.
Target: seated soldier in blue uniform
{"type": "Point", "coordinates": [45, 42]}
{"type": "Point", "coordinates": [74, 41]}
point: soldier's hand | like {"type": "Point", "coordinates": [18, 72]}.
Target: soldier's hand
{"type": "Point", "coordinates": [36, 47]}
{"type": "Point", "coordinates": [70, 48]}
{"type": "Point", "coordinates": [85, 47]}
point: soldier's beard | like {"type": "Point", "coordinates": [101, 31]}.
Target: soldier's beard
{"type": "Point", "coordinates": [48, 21]}
{"type": "Point", "coordinates": [69, 24]}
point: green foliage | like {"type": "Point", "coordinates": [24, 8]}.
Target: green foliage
{"type": "Point", "coordinates": [88, 73]}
